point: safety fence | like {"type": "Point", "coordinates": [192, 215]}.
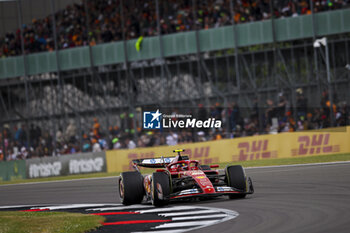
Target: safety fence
{"type": "Point", "coordinates": [283, 145]}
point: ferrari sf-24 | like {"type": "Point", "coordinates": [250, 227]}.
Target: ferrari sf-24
{"type": "Point", "coordinates": [181, 178]}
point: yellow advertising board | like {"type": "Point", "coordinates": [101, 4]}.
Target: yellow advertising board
{"type": "Point", "coordinates": [283, 145]}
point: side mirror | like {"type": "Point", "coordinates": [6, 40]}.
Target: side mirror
{"type": "Point", "coordinates": [214, 166]}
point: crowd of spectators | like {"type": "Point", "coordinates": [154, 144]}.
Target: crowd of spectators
{"type": "Point", "coordinates": [274, 116]}
{"type": "Point", "coordinates": [140, 19]}
{"type": "Point", "coordinates": [105, 25]}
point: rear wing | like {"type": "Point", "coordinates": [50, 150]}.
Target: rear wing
{"type": "Point", "coordinates": [156, 162]}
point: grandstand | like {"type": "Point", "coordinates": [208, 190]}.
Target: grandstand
{"type": "Point", "coordinates": [72, 75]}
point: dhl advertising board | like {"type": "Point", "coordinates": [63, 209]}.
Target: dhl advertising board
{"type": "Point", "coordinates": [283, 145]}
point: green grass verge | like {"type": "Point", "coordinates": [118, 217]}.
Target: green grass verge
{"type": "Point", "coordinates": [47, 222]}
{"type": "Point", "coordinates": [252, 163]}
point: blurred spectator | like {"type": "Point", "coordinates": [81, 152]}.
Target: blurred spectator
{"type": "Point", "coordinates": [201, 136]}
{"type": "Point", "coordinates": [116, 143]}
{"type": "Point", "coordinates": [277, 118]}
{"type": "Point", "coordinates": [282, 106]}
{"type": "Point", "coordinates": [301, 103]}
{"type": "Point", "coordinates": [96, 128]}
{"type": "Point", "coordinates": [96, 147]}
{"type": "Point", "coordinates": [130, 144]}
{"type": "Point", "coordinates": [70, 132]}
{"type": "Point", "coordinates": [234, 116]}
{"type": "Point", "coordinates": [140, 20]}
{"type": "Point", "coordinates": [59, 135]}
{"type": "Point", "coordinates": [171, 139]}
{"type": "Point", "coordinates": [24, 152]}
{"type": "Point", "coordinates": [270, 111]}
{"type": "Point", "coordinates": [86, 145]}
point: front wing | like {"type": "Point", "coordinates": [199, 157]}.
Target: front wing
{"type": "Point", "coordinates": [219, 191]}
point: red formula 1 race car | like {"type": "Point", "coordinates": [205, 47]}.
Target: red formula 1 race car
{"type": "Point", "coordinates": [181, 178]}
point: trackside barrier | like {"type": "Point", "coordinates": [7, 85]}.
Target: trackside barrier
{"type": "Point", "coordinates": [66, 165]}
{"type": "Point", "coordinates": [283, 145]}
{"type": "Point", "coordinates": [12, 170]}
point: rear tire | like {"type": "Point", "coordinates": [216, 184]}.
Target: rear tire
{"type": "Point", "coordinates": [131, 189]}
{"type": "Point", "coordinates": [236, 178]}
{"type": "Point", "coordinates": [160, 189]}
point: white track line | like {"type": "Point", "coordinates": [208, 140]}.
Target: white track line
{"type": "Point", "coordinates": [161, 231]}
{"type": "Point", "coordinates": [199, 217]}
{"type": "Point", "coordinates": [230, 215]}
{"type": "Point", "coordinates": [188, 213]}
{"type": "Point", "coordinates": [157, 210]}
{"type": "Point", "coordinates": [14, 206]}
{"type": "Point", "coordinates": [122, 208]}
{"type": "Point", "coordinates": [185, 224]}
{"type": "Point", "coordinates": [62, 207]}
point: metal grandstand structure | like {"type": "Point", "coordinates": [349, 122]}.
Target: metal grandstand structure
{"type": "Point", "coordinates": [240, 74]}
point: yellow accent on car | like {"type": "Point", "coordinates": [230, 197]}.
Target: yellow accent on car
{"type": "Point", "coordinates": [178, 150]}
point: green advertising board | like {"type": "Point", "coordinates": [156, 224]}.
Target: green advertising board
{"type": "Point", "coordinates": [12, 170]}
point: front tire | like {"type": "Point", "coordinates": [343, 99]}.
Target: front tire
{"type": "Point", "coordinates": [160, 189]}
{"type": "Point", "coordinates": [131, 189]}
{"type": "Point", "coordinates": [236, 178]}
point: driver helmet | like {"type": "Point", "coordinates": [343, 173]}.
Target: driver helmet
{"type": "Point", "coordinates": [183, 166]}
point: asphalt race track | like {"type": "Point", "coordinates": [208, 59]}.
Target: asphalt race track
{"type": "Point", "coordinates": [313, 198]}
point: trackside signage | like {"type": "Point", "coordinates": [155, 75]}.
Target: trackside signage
{"type": "Point", "coordinates": [45, 169]}
{"type": "Point", "coordinates": [315, 144]}
{"type": "Point", "coordinates": [283, 145]}
{"type": "Point", "coordinates": [12, 170]}
{"type": "Point", "coordinates": [66, 165]}
{"type": "Point", "coordinates": [254, 150]}
{"type": "Point", "coordinates": [77, 166]}
{"type": "Point", "coordinates": [157, 120]}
